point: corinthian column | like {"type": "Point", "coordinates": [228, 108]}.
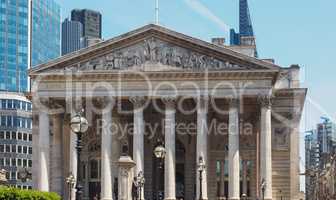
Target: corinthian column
{"type": "Point", "coordinates": [44, 142]}
{"type": "Point", "coordinates": [233, 154]}
{"type": "Point", "coordinates": [106, 155]}
{"type": "Point", "coordinates": [138, 136]}
{"type": "Point", "coordinates": [169, 187]}
{"type": "Point", "coordinates": [266, 145]}
{"type": "Point", "coordinates": [202, 145]}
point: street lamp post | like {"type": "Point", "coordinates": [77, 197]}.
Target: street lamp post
{"type": "Point", "coordinates": [79, 125]}
{"type": "Point", "coordinates": [201, 168]}
{"type": "Point", "coordinates": [70, 180]}
{"type": "Point", "coordinates": [160, 154]}
{"type": "Point", "coordinates": [263, 187]}
{"type": "Point", "coordinates": [139, 183]}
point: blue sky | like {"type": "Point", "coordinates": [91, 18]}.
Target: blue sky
{"type": "Point", "coordinates": [293, 32]}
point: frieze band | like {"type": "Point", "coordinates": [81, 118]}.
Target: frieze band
{"type": "Point", "coordinates": [153, 51]}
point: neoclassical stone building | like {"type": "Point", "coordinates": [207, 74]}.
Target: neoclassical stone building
{"type": "Point", "coordinates": [239, 113]}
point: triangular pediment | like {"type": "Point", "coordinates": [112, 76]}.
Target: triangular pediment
{"type": "Point", "coordinates": [154, 48]}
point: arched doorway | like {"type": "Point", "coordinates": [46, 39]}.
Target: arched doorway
{"type": "Point", "coordinates": [158, 174]}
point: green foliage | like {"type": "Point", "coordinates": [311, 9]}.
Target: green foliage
{"type": "Point", "coordinates": [10, 193]}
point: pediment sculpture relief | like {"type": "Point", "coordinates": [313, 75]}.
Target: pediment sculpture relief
{"type": "Point", "coordinates": [154, 52]}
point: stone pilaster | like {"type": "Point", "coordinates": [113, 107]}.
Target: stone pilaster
{"type": "Point", "coordinates": [138, 136]}
{"type": "Point", "coordinates": [56, 171]}
{"type": "Point", "coordinates": [266, 145]}
{"type": "Point", "coordinates": [169, 188]}
{"type": "Point", "coordinates": [202, 144]}
{"type": "Point", "coordinates": [44, 146]}
{"type": "Point", "coordinates": [233, 154]}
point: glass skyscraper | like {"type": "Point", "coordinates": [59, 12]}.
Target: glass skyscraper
{"type": "Point", "coordinates": [46, 30]}
{"type": "Point", "coordinates": [14, 40]}
{"type": "Point", "coordinates": [29, 35]}
{"type": "Point", "coordinates": [16, 51]}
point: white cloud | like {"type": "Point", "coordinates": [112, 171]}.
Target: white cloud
{"type": "Point", "coordinates": [205, 12]}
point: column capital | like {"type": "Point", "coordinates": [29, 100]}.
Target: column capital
{"type": "Point", "coordinates": [265, 100]}
{"type": "Point", "coordinates": [169, 101]}
{"type": "Point", "coordinates": [137, 101]}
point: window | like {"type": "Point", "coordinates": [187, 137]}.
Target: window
{"type": "Point", "coordinates": [13, 162]}
{"type": "Point", "coordinates": [19, 149]}
{"type": "Point", "coordinates": [2, 148]}
{"type": "Point", "coordinates": [30, 137]}
{"type": "Point", "coordinates": [19, 162]}
{"type": "Point", "coordinates": [10, 104]}
{"type": "Point", "coordinates": [94, 169]}
{"type": "Point", "coordinates": [13, 175]}
{"type": "Point", "coordinates": [30, 150]}
{"type": "Point", "coordinates": [8, 149]}
{"type": "Point", "coordinates": [4, 103]}
{"type": "Point", "coordinates": [25, 138]}
{"type": "Point", "coordinates": [29, 105]}
{"type": "Point", "coordinates": [13, 135]}
{"type": "Point", "coordinates": [7, 162]}
{"type": "Point", "coordinates": [19, 136]}
{"type": "Point", "coordinates": [24, 162]}
{"type": "Point", "coordinates": [13, 148]}
{"type": "Point", "coordinates": [2, 135]}
{"type": "Point", "coordinates": [9, 121]}
{"type": "Point", "coordinates": [8, 135]}
{"type": "Point", "coordinates": [25, 150]}
{"type": "Point", "coordinates": [2, 162]}
{"type": "Point", "coordinates": [3, 120]}
{"type": "Point", "coordinates": [24, 105]}
{"type": "Point", "coordinates": [30, 163]}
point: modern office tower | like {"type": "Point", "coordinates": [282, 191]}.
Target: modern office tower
{"type": "Point", "coordinates": [312, 161]}
{"type": "Point", "coordinates": [45, 31]}
{"type": "Point", "coordinates": [72, 32]}
{"type": "Point", "coordinates": [14, 41]}
{"type": "Point", "coordinates": [15, 137]}
{"type": "Point", "coordinates": [244, 41]}
{"type": "Point", "coordinates": [234, 37]}
{"type": "Point", "coordinates": [29, 35]}
{"type": "Point", "coordinates": [326, 136]}
{"type": "Point", "coordinates": [245, 22]}
{"type": "Point", "coordinates": [91, 21]}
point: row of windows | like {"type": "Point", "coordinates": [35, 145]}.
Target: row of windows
{"type": "Point", "coordinates": [16, 122]}
{"type": "Point", "coordinates": [12, 148]}
{"type": "Point", "coordinates": [16, 162]}
{"type": "Point", "coordinates": [10, 104]}
{"type": "Point", "coordinates": [16, 136]}
{"type": "Point", "coordinates": [13, 175]}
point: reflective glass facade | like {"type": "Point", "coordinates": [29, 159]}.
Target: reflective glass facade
{"type": "Point", "coordinates": [46, 30]}
{"type": "Point", "coordinates": [13, 45]}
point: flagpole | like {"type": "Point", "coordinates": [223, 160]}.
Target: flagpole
{"type": "Point", "coordinates": [157, 12]}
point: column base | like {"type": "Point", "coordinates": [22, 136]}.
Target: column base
{"type": "Point", "coordinates": [234, 198]}
{"type": "Point", "coordinates": [170, 199]}
{"type": "Point", "coordinates": [106, 198]}
{"type": "Point", "coordinates": [221, 198]}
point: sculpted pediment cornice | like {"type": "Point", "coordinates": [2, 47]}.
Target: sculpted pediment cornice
{"type": "Point", "coordinates": [155, 49]}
